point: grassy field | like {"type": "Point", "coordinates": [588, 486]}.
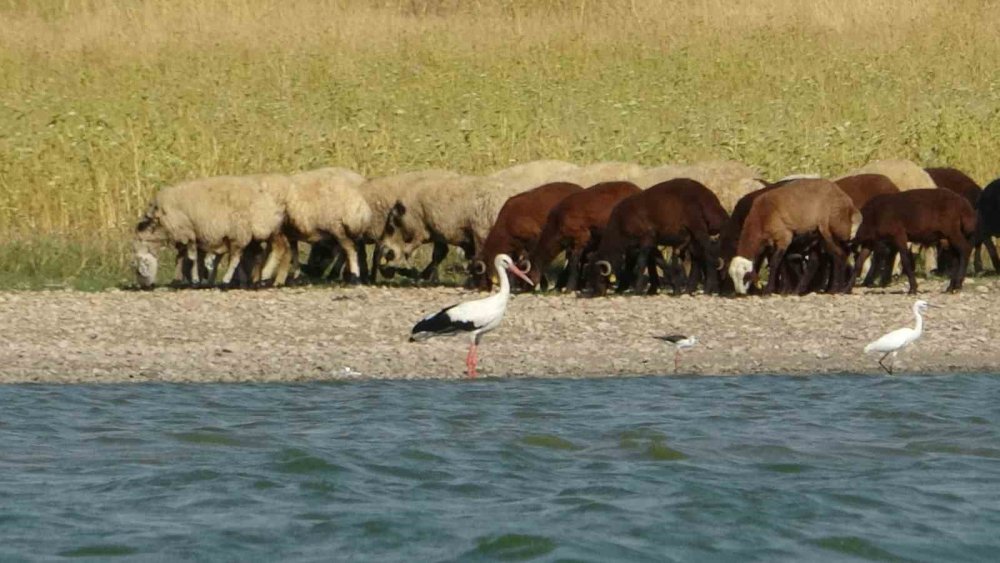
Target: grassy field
{"type": "Point", "coordinates": [106, 101]}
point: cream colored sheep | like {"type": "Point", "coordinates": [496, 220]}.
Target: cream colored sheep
{"type": "Point", "coordinates": [729, 180]}
{"type": "Point", "coordinates": [596, 173]}
{"type": "Point", "coordinates": [905, 174]}
{"type": "Point", "coordinates": [216, 215]}
{"type": "Point", "coordinates": [530, 175]}
{"type": "Point", "coordinates": [321, 205]}
{"type": "Point", "coordinates": [455, 211]}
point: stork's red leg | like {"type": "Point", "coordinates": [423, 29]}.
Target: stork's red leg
{"type": "Point", "coordinates": [470, 361]}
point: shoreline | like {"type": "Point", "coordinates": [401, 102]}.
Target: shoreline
{"type": "Point", "coordinates": [360, 333]}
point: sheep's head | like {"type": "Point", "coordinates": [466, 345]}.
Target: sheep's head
{"type": "Point", "coordinates": [741, 272]}
{"type": "Point", "coordinates": [478, 274]}
{"type": "Point", "coordinates": [402, 234]}
{"type": "Point", "coordinates": [601, 277]}
{"type": "Point", "coordinates": [145, 262]}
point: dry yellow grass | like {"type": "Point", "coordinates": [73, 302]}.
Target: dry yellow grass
{"type": "Point", "coordinates": [104, 102]}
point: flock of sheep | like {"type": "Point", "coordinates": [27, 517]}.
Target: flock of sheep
{"type": "Point", "coordinates": [718, 222]}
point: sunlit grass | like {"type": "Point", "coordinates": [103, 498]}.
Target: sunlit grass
{"type": "Point", "coordinates": [104, 102]}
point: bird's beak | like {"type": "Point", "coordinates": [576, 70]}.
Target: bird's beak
{"type": "Point", "coordinates": [517, 272]}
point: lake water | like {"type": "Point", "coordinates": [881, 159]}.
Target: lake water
{"type": "Point", "coordinates": [646, 469]}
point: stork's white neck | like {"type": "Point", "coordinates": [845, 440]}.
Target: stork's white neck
{"type": "Point", "coordinates": [504, 280]}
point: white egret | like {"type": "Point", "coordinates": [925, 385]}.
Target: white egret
{"type": "Point", "coordinates": [893, 342]}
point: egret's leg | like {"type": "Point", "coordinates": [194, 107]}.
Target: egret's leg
{"type": "Point", "coordinates": [887, 369]}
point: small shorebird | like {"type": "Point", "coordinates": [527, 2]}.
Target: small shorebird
{"type": "Point", "coordinates": [474, 318]}
{"type": "Point", "coordinates": [900, 338]}
{"type": "Point", "coordinates": [680, 342]}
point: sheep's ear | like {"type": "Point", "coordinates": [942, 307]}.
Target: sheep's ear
{"type": "Point", "coordinates": [145, 224]}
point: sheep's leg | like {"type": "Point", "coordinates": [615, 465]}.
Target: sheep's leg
{"type": "Point", "coordinates": [812, 267]}
{"type": "Point", "coordinates": [652, 272]}
{"type": "Point", "coordinates": [279, 261]}
{"type": "Point", "coordinates": [430, 273]}
{"type": "Point", "coordinates": [991, 249]}
{"type": "Point", "coordinates": [774, 266]}
{"type": "Point", "coordinates": [906, 259]}
{"type": "Point", "coordinates": [192, 258]}
{"type": "Point", "coordinates": [235, 253]}
{"type": "Point", "coordinates": [888, 265]}
{"type": "Point", "coordinates": [350, 252]}
{"type": "Point", "coordinates": [640, 282]}
{"type": "Point", "coordinates": [573, 265]}
{"type": "Point", "coordinates": [363, 260]}
{"type": "Point", "coordinates": [863, 254]}
{"type": "Point", "coordinates": [961, 247]}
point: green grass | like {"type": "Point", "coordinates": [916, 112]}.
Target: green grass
{"type": "Point", "coordinates": [103, 106]}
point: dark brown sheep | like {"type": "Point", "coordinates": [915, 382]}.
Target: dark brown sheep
{"type": "Point", "coordinates": [927, 217]}
{"type": "Point", "coordinates": [681, 213]}
{"type": "Point", "coordinates": [960, 183]}
{"type": "Point", "coordinates": [574, 225]}
{"type": "Point", "coordinates": [517, 228]}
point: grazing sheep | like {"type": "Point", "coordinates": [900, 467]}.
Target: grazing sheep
{"type": "Point", "coordinates": [216, 215]}
{"type": "Point", "coordinates": [728, 180]}
{"type": "Point", "coordinates": [517, 228]}
{"type": "Point", "coordinates": [905, 174]}
{"type": "Point", "coordinates": [321, 206]}
{"type": "Point", "coordinates": [575, 225]}
{"type": "Point", "coordinates": [988, 219]}
{"type": "Point", "coordinates": [382, 194]}
{"type": "Point", "coordinates": [926, 217]}
{"type": "Point", "coordinates": [599, 172]}
{"type": "Point", "coordinates": [800, 207]}
{"type": "Point", "coordinates": [533, 174]}
{"type": "Point", "coordinates": [677, 213]}
{"type": "Point", "coordinates": [960, 183]}
{"type": "Point", "coordinates": [455, 211]}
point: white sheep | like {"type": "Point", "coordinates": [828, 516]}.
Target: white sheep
{"type": "Point", "coordinates": [530, 175]}
{"type": "Point", "coordinates": [592, 174]}
{"type": "Point", "coordinates": [218, 215]}
{"type": "Point", "coordinates": [729, 180]}
{"type": "Point", "coordinates": [905, 174]}
{"type": "Point", "coordinates": [323, 205]}
{"type": "Point", "coordinates": [455, 211]}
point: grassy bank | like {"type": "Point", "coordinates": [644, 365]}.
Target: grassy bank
{"type": "Point", "coordinates": [104, 102]}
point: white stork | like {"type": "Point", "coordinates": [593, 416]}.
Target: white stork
{"type": "Point", "coordinates": [474, 318]}
{"type": "Point", "coordinates": [900, 338]}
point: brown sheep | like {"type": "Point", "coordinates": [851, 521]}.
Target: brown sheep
{"type": "Point", "coordinates": [960, 183]}
{"type": "Point", "coordinates": [862, 187]}
{"type": "Point", "coordinates": [574, 225]}
{"type": "Point", "coordinates": [518, 227]}
{"type": "Point", "coordinates": [920, 216]}
{"type": "Point", "coordinates": [800, 207]}
{"type": "Point", "coordinates": [677, 213]}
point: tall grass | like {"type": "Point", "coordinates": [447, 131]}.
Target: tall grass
{"type": "Point", "coordinates": [104, 102]}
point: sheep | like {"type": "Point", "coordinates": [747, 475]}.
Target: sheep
{"type": "Point", "coordinates": [679, 212]}
{"type": "Point", "coordinates": [599, 172]}
{"type": "Point", "coordinates": [533, 174]}
{"type": "Point", "coordinates": [925, 216]}
{"type": "Point", "coordinates": [575, 225]}
{"type": "Point", "coordinates": [988, 219]}
{"type": "Point", "coordinates": [799, 207]}
{"type": "Point", "coordinates": [216, 215]}
{"type": "Point", "coordinates": [518, 226]}
{"type": "Point", "coordinates": [960, 183]}
{"type": "Point", "coordinates": [457, 210]}
{"type": "Point", "coordinates": [729, 180]}
{"type": "Point", "coordinates": [382, 194]}
{"type": "Point", "coordinates": [904, 173]}
{"type": "Point", "coordinates": [323, 205]}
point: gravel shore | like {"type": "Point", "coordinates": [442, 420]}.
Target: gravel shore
{"type": "Point", "coordinates": [351, 333]}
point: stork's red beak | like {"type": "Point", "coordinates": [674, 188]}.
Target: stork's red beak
{"type": "Point", "coordinates": [520, 273]}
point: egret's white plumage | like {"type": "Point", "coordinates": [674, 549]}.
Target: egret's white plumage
{"type": "Point", "coordinates": [474, 318]}
{"type": "Point", "coordinates": [680, 342]}
{"type": "Point", "coordinates": [893, 342]}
